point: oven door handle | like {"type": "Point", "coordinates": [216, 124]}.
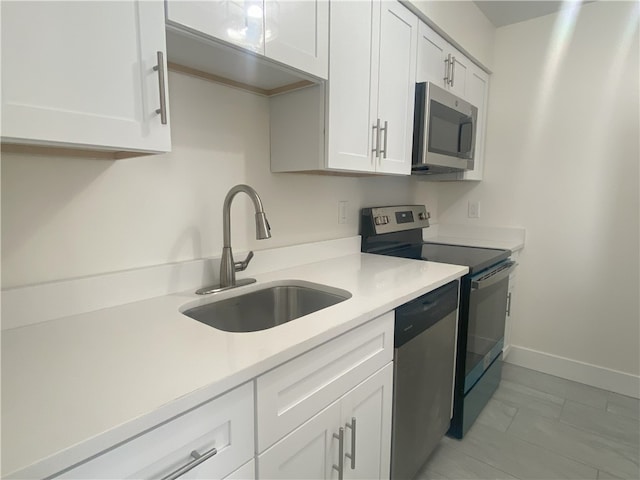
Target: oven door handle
{"type": "Point", "coordinates": [487, 280]}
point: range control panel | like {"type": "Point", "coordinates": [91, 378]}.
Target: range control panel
{"type": "Point", "coordinates": [395, 219]}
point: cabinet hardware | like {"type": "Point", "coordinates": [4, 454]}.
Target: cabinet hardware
{"type": "Point", "coordinates": [352, 455]}
{"type": "Point", "coordinates": [453, 70]}
{"type": "Point", "coordinates": [385, 129]}
{"type": "Point", "coordinates": [197, 460]}
{"type": "Point", "coordinates": [163, 97]}
{"type": "Point", "coordinates": [509, 304]}
{"type": "Point", "coordinates": [340, 466]}
{"type": "Point", "coordinates": [376, 147]}
{"type": "Point", "coordinates": [446, 69]}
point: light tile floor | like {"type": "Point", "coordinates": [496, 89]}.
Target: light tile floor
{"type": "Point", "coordinates": [538, 426]}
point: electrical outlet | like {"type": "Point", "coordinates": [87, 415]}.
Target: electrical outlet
{"type": "Point", "coordinates": [474, 209]}
{"type": "Point", "coordinates": [342, 211]}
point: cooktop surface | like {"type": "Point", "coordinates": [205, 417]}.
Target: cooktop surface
{"type": "Point", "coordinates": [476, 258]}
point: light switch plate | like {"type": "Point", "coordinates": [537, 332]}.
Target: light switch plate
{"type": "Point", "coordinates": [342, 211]}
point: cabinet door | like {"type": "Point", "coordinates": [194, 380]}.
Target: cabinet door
{"type": "Point", "coordinates": [351, 103]}
{"type": "Point", "coordinates": [245, 472]}
{"type": "Point", "coordinates": [459, 74]}
{"type": "Point", "coordinates": [477, 92]}
{"type": "Point", "coordinates": [370, 405]}
{"type": "Point", "coordinates": [396, 86]}
{"type": "Point", "coordinates": [297, 34]}
{"type": "Point", "coordinates": [225, 423]}
{"type": "Point", "coordinates": [432, 50]}
{"type": "Point", "coordinates": [308, 452]}
{"type": "Point", "coordinates": [508, 322]}
{"type": "Point", "coordinates": [238, 22]}
{"type": "Point", "coordinates": [81, 74]}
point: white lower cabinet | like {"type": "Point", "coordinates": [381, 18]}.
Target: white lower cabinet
{"type": "Point", "coordinates": [245, 472]}
{"type": "Point", "coordinates": [308, 452]}
{"type": "Point", "coordinates": [369, 407]}
{"type": "Point", "coordinates": [326, 410]}
{"type": "Point", "coordinates": [225, 424]}
{"type": "Point", "coordinates": [353, 435]}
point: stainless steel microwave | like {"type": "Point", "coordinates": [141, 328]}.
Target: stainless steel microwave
{"type": "Point", "coordinates": [444, 131]}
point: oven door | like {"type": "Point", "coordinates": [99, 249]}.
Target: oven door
{"type": "Point", "coordinates": [487, 312]}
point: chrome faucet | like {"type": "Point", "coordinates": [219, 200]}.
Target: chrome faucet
{"type": "Point", "coordinates": [228, 267]}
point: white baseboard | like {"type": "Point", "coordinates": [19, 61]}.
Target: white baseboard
{"type": "Point", "coordinates": [600, 377]}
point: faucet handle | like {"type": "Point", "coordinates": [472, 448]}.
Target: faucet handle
{"type": "Point", "coordinates": [241, 266]}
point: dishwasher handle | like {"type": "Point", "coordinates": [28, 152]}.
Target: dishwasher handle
{"type": "Point", "coordinates": [494, 276]}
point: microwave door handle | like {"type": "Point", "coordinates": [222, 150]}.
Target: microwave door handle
{"type": "Point", "coordinates": [468, 153]}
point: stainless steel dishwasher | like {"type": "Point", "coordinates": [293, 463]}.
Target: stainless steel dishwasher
{"type": "Point", "coordinates": [424, 367]}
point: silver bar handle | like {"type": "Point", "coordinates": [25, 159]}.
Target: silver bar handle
{"type": "Point", "coordinates": [352, 455]}
{"type": "Point", "coordinates": [197, 460]}
{"type": "Point", "coordinates": [493, 279]}
{"type": "Point", "coordinates": [242, 266]}
{"type": "Point", "coordinates": [340, 466]}
{"type": "Point", "coordinates": [453, 70]}
{"type": "Point", "coordinates": [376, 143]}
{"type": "Point", "coordinates": [509, 304]}
{"type": "Point", "coordinates": [385, 129]}
{"type": "Point", "coordinates": [446, 69]}
{"type": "Point", "coordinates": [163, 96]}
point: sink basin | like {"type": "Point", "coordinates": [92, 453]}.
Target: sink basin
{"type": "Point", "coordinates": [267, 307]}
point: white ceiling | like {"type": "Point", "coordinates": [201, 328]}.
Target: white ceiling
{"type": "Point", "coordinates": [506, 12]}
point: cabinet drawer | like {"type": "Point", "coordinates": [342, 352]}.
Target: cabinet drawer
{"type": "Point", "coordinates": [292, 393]}
{"type": "Point", "coordinates": [226, 423]}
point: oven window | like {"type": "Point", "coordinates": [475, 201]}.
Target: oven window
{"type": "Point", "coordinates": [487, 311]}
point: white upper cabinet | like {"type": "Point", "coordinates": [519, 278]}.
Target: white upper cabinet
{"type": "Point", "coordinates": [296, 33]}
{"type": "Point", "coordinates": [432, 53]}
{"type": "Point", "coordinates": [84, 75]}
{"type": "Point", "coordinates": [396, 88]}
{"type": "Point", "coordinates": [477, 93]}
{"type": "Point", "coordinates": [352, 88]}
{"type": "Point", "coordinates": [458, 73]}
{"type": "Point", "coordinates": [293, 33]}
{"type": "Point", "coordinates": [371, 89]}
{"type": "Point", "coordinates": [442, 64]}
{"type": "Point", "coordinates": [361, 120]}
{"type": "Point", "coordinates": [237, 22]}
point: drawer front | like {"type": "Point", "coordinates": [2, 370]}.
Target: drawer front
{"type": "Point", "coordinates": [292, 393]}
{"type": "Point", "coordinates": [226, 423]}
{"type": "Point", "coordinates": [245, 472]}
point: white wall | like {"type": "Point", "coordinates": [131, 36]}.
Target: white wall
{"type": "Point", "coordinates": [463, 21]}
{"type": "Point", "coordinates": [562, 159]}
{"type": "Point", "coordinates": [68, 217]}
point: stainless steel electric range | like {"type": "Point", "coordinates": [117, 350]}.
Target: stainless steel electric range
{"type": "Point", "coordinates": [397, 231]}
